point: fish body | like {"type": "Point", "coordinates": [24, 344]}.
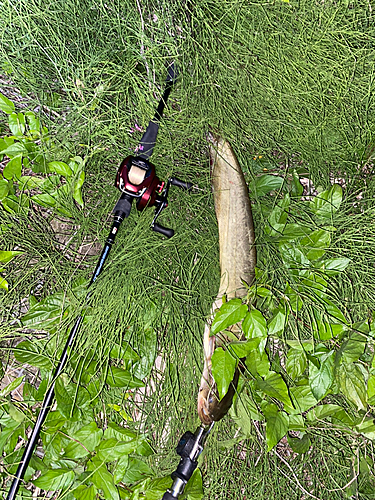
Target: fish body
{"type": "Point", "coordinates": [237, 262]}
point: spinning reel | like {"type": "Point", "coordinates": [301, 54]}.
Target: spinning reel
{"type": "Point", "coordinates": [137, 180]}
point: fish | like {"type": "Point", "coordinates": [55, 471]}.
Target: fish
{"type": "Point", "coordinates": [237, 264]}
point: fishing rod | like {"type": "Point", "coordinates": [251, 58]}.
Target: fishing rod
{"type": "Point", "coordinates": [189, 448]}
{"type": "Point", "coordinates": [137, 180]}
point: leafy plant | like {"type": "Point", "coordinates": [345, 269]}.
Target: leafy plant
{"type": "Point", "coordinates": [28, 148]}
{"type": "Point", "coordinates": [304, 361]}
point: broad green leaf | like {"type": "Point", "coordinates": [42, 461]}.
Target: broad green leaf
{"type": "Point", "coordinates": [277, 324]}
{"type": "Point", "coordinates": [33, 121]}
{"type": "Point", "coordinates": [147, 348]}
{"type": "Point", "coordinates": [47, 313]}
{"type": "Point", "coordinates": [367, 428]}
{"type": "Point", "coordinates": [13, 168]}
{"type": "Point", "coordinates": [302, 398]}
{"type": "Point", "coordinates": [4, 284]}
{"type": "Point", "coordinates": [60, 168]}
{"type": "Point", "coordinates": [297, 188]}
{"type": "Point", "coordinates": [120, 468]}
{"type": "Point", "coordinates": [77, 191]}
{"type": "Point", "coordinates": [117, 377]}
{"type": "Point", "coordinates": [123, 352]}
{"type": "Point", "coordinates": [27, 182]}
{"type": "Point", "coordinates": [123, 434]}
{"type": "Point", "coordinates": [274, 386]}
{"type": "Point", "coordinates": [11, 387]}
{"type": "Point", "coordinates": [86, 439]}
{"type": "Point", "coordinates": [136, 471]}
{"type": "Point", "coordinates": [254, 325]}
{"type": "Point", "coordinates": [71, 402]}
{"type": "Point", "coordinates": [328, 202]}
{"type": "Point", "coordinates": [276, 424]}
{"type": "Point", "coordinates": [84, 492]}
{"type": "Point", "coordinates": [229, 314]}
{"type": "Point", "coordinates": [371, 386]}
{"type": "Point", "coordinates": [296, 362]}
{"type": "Point", "coordinates": [322, 411]}
{"type": "Point", "coordinates": [28, 352]}
{"type": "Point", "coordinates": [334, 266]}
{"type": "Point", "coordinates": [4, 189]}
{"type": "Point", "coordinates": [294, 258]}
{"type": "Point", "coordinates": [223, 368]}
{"type": "Point", "coordinates": [315, 244]}
{"type": "Point", "coordinates": [296, 423]}
{"type": "Point", "coordinates": [6, 256]}
{"type": "Point", "coordinates": [266, 183]}
{"type": "Point", "coordinates": [6, 105]}
{"type": "Point", "coordinates": [157, 487]}
{"type": "Point", "coordinates": [278, 217]}
{"type": "Point", "coordinates": [194, 487]}
{"type": "Point", "coordinates": [320, 379]}
{"type": "Point", "coordinates": [258, 363]}
{"type": "Point", "coordinates": [299, 445]}
{"type": "Point", "coordinates": [55, 479]}
{"type": "Point", "coordinates": [102, 478]}
{"type": "Point", "coordinates": [240, 349]}
{"type": "Point", "coordinates": [243, 412]}
{"type": "Point", "coordinates": [16, 149]}
{"type": "Point", "coordinates": [111, 449]}
{"type": "Point", "coordinates": [45, 200]}
{"type": "Point", "coordinates": [294, 299]}
{"type": "Point", "coordinates": [353, 348]}
{"type": "Point", "coordinates": [352, 384]}
{"type": "Point", "coordinates": [17, 123]}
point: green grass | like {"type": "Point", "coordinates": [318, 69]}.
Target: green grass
{"type": "Point", "coordinates": [292, 81]}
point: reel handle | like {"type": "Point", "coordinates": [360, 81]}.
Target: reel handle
{"type": "Point", "coordinates": [181, 184]}
{"type": "Point", "coordinates": [165, 231]}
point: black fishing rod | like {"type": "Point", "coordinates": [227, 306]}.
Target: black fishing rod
{"type": "Point", "coordinates": [137, 181]}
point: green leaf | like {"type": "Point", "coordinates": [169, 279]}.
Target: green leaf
{"type": "Point", "coordinates": [16, 149]}
{"type": "Point", "coordinates": [6, 256]}
{"type": "Point", "coordinates": [328, 202]}
{"type": "Point", "coordinates": [86, 439]}
{"type": "Point", "coordinates": [254, 325]}
{"type": "Point", "coordinates": [302, 398]}
{"type": "Point", "coordinates": [27, 182]}
{"type": "Point", "coordinates": [111, 449]}
{"type": "Point", "coordinates": [335, 266]}
{"type": "Point", "coordinates": [33, 121]}
{"type": "Point", "coordinates": [6, 105]}
{"type": "Point", "coordinates": [278, 217]}
{"type": "Point", "coordinates": [258, 363]}
{"type": "Point", "coordinates": [353, 348]}
{"type": "Point", "coordinates": [28, 352]}
{"type": "Point", "coordinates": [55, 479]}
{"type": "Point", "coordinates": [11, 387]}
{"type": "Point", "coordinates": [371, 386]}
{"type": "Point", "coordinates": [13, 168]}
{"type": "Point", "coordinates": [102, 478]}
{"type": "Point", "coordinates": [77, 191]}
{"type": "Point", "coordinates": [243, 412]}
{"type": "Point", "coordinates": [299, 445]}
{"type": "Point", "coordinates": [297, 188]}
{"type": "Point", "coordinates": [44, 200]}
{"type": "Point", "coordinates": [277, 324]}
{"type": "Point", "coordinates": [240, 349]}
{"type": "Point", "coordinates": [276, 424]}
{"type": "Point", "coordinates": [47, 313]}
{"type": "Point", "coordinates": [266, 183]}
{"type": "Point", "coordinates": [229, 314]}
{"type": "Point", "coordinates": [17, 124]}
{"type": "Point", "coordinates": [315, 244]}
{"type": "Point", "coordinates": [124, 352]}
{"type": "Point", "coordinates": [274, 386]}
{"type": "Point", "coordinates": [194, 487]}
{"type": "Point", "coordinates": [294, 258]}
{"type": "Point", "coordinates": [157, 487]}
{"type": "Point", "coordinates": [84, 492]}
{"type": "Point", "coordinates": [123, 434]}
{"type": "Point", "coordinates": [60, 168]}
{"type": "Point", "coordinates": [4, 189]}
{"type": "Point", "coordinates": [296, 362]}
{"type": "Point", "coordinates": [223, 368]}
{"type": "Point", "coordinates": [137, 470]}
{"type": "Point", "coordinates": [321, 379]}
{"type": "Point", "coordinates": [117, 377]}
{"type": "Point", "coordinates": [322, 411]}
{"type": "Point", "coordinates": [352, 384]}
